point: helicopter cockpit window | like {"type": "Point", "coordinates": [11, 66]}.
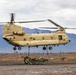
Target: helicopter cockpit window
{"type": "Point", "coordinates": [60, 37]}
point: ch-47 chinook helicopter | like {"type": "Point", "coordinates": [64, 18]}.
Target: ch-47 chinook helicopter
{"type": "Point", "coordinates": [15, 35]}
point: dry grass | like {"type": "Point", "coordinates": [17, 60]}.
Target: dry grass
{"type": "Point", "coordinates": [62, 57]}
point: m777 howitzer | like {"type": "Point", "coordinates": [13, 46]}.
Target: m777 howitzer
{"type": "Point", "coordinates": [34, 61]}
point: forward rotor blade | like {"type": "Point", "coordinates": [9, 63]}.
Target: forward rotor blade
{"type": "Point", "coordinates": [30, 21]}
{"type": "Point", "coordinates": [55, 24]}
{"type": "Point", "coordinates": [12, 18]}
{"type": "Point", "coordinates": [23, 21]}
{"type": "Point", "coordinates": [48, 27]}
{"type": "Point", "coordinates": [4, 22]}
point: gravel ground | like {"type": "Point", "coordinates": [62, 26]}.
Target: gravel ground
{"type": "Point", "coordinates": [55, 69]}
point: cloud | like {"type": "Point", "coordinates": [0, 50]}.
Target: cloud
{"type": "Point", "coordinates": [60, 11]}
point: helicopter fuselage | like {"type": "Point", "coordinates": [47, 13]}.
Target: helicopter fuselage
{"type": "Point", "coordinates": [14, 35]}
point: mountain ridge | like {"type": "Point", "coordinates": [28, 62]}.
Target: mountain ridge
{"type": "Point", "coordinates": [7, 48]}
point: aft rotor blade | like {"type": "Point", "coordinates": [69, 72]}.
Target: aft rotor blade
{"type": "Point", "coordinates": [48, 27]}
{"type": "Point", "coordinates": [11, 20]}
{"type": "Point", "coordinates": [54, 28]}
{"type": "Point", "coordinates": [55, 24]}
{"type": "Point", "coordinates": [30, 21]}
{"type": "Point", "coordinates": [69, 28]}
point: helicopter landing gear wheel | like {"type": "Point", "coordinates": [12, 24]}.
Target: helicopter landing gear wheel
{"type": "Point", "coordinates": [44, 48]}
{"type": "Point", "coordinates": [14, 48]}
{"type": "Point", "coordinates": [19, 48]}
{"type": "Point", "coordinates": [50, 48]}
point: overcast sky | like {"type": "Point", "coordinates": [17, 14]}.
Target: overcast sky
{"type": "Point", "coordinates": [62, 12]}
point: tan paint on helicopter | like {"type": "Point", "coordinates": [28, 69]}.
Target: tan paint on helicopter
{"type": "Point", "coordinates": [16, 36]}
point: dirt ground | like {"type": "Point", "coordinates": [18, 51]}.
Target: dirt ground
{"type": "Point", "coordinates": [60, 69]}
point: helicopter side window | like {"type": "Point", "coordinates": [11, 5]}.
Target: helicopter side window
{"type": "Point", "coordinates": [13, 37]}
{"type": "Point", "coordinates": [7, 28]}
{"type": "Point", "coordinates": [51, 38]}
{"type": "Point", "coordinates": [43, 38]}
{"type": "Point", "coordinates": [24, 39]}
{"type": "Point", "coordinates": [60, 37]}
{"type": "Point", "coordinates": [33, 38]}
{"type": "Point", "coordinates": [30, 37]}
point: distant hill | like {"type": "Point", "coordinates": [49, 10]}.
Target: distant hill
{"type": "Point", "coordinates": [7, 48]}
